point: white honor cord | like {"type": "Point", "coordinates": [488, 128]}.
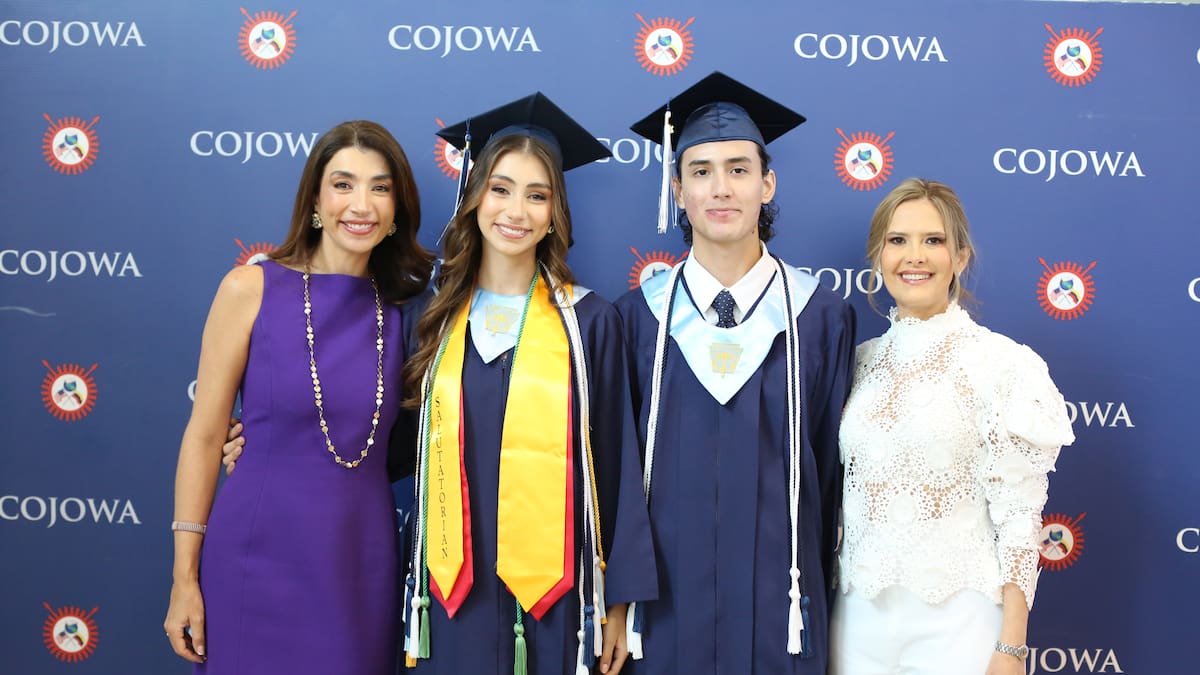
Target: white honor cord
{"type": "Point", "coordinates": [591, 526]}
{"type": "Point", "coordinates": [656, 373]}
{"type": "Point", "coordinates": [633, 638]}
{"type": "Point", "coordinates": [414, 621]}
{"type": "Point", "coordinates": [795, 617]}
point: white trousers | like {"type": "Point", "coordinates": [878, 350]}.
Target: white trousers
{"type": "Point", "coordinates": [898, 633]}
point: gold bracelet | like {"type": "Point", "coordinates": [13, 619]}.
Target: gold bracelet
{"type": "Point", "coordinates": [184, 526]}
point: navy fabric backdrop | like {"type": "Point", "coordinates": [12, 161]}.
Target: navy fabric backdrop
{"type": "Point", "coordinates": [145, 148]}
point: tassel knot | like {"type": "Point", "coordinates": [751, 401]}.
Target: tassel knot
{"type": "Point", "coordinates": [795, 616]}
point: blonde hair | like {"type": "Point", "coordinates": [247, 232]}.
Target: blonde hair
{"type": "Point", "coordinates": [954, 219]}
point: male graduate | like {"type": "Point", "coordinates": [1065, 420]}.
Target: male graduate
{"type": "Point", "coordinates": [740, 366]}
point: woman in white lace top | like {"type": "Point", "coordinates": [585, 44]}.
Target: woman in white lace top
{"type": "Point", "coordinates": [947, 439]}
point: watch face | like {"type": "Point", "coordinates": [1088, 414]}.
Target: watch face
{"type": "Point", "coordinates": [1022, 651]}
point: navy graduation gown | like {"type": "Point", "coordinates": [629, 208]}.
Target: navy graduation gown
{"type": "Point", "coordinates": [719, 498]}
{"type": "Point", "coordinates": [479, 639]}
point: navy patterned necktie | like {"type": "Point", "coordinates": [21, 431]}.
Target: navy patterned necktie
{"type": "Point", "coordinates": [724, 305]}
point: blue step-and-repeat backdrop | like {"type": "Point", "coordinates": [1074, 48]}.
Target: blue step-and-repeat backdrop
{"type": "Point", "coordinates": [146, 148]}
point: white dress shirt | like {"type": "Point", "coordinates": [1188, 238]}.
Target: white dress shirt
{"type": "Point", "coordinates": [703, 286]}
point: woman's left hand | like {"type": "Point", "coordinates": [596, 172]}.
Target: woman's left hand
{"type": "Point", "coordinates": [1004, 664]}
{"type": "Point", "coordinates": [615, 650]}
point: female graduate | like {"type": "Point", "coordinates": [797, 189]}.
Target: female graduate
{"type": "Point", "coordinates": [531, 532]}
{"type": "Point", "coordinates": [947, 439]}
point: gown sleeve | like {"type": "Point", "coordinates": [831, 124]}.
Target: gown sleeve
{"type": "Point", "coordinates": [1024, 426]}
{"type": "Point", "coordinates": [838, 375]}
{"type": "Point", "coordinates": [624, 520]}
{"type": "Point", "coordinates": [402, 441]}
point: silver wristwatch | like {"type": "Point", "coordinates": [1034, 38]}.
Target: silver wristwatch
{"type": "Point", "coordinates": [1019, 652]}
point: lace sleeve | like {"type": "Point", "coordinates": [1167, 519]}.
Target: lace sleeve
{"type": "Point", "coordinates": [1025, 425]}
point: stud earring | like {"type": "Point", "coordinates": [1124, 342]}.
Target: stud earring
{"type": "Point", "coordinates": [551, 230]}
{"type": "Point", "coordinates": [316, 221]}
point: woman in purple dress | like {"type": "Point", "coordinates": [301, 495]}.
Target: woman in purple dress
{"type": "Point", "coordinates": [292, 569]}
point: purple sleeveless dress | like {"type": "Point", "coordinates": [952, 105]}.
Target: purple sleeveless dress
{"type": "Point", "coordinates": [298, 568]}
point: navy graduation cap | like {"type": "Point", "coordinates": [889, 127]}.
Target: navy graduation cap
{"type": "Point", "coordinates": [534, 115]}
{"type": "Point", "coordinates": [717, 108]}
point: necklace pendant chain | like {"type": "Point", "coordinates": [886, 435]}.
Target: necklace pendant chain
{"type": "Point", "coordinates": [316, 379]}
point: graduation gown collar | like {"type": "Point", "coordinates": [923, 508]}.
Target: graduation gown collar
{"type": "Point", "coordinates": [724, 359]}
{"type": "Point", "coordinates": [493, 319]}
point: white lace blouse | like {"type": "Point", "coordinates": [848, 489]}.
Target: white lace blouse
{"type": "Point", "coordinates": [947, 439]}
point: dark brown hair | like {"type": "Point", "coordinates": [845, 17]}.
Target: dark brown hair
{"type": "Point", "coordinates": [463, 249]}
{"type": "Point", "coordinates": [399, 264]}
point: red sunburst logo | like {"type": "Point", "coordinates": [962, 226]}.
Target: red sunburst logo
{"type": "Point", "coordinates": [1073, 56]}
{"type": "Point", "coordinates": [68, 391]}
{"type": "Point", "coordinates": [449, 158]}
{"type": "Point", "coordinates": [864, 160]}
{"type": "Point", "coordinates": [69, 633]}
{"type": "Point", "coordinates": [254, 253]}
{"type": "Point", "coordinates": [70, 146]}
{"type": "Point", "coordinates": [1066, 290]}
{"type": "Point", "coordinates": [267, 39]}
{"type": "Point", "coordinates": [663, 46]}
{"type": "Point", "coordinates": [647, 265]}
{"type": "Point", "coordinates": [1060, 542]}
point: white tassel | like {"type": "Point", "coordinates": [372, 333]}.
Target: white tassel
{"type": "Point", "coordinates": [633, 639]}
{"type": "Point", "coordinates": [664, 196]}
{"type": "Point", "coordinates": [580, 668]}
{"type": "Point", "coordinates": [598, 589]}
{"type": "Point", "coordinates": [795, 618]}
{"type": "Point", "coordinates": [412, 642]}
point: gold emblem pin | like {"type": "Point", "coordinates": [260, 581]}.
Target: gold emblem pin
{"type": "Point", "coordinates": [725, 357]}
{"type": "Point", "coordinates": [500, 318]}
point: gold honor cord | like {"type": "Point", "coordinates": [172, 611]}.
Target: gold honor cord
{"type": "Point", "coordinates": [531, 508]}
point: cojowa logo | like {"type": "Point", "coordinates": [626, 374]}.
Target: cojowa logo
{"type": "Point", "coordinates": [55, 510]}
{"type": "Point", "coordinates": [1066, 290]}
{"type": "Point", "coordinates": [639, 152]}
{"type": "Point", "coordinates": [847, 279]}
{"type": "Point", "coordinates": [1055, 162]}
{"type": "Point", "coordinates": [1188, 540]}
{"type": "Point", "coordinates": [864, 159]}
{"type": "Point", "coordinates": [69, 391]}
{"type": "Point", "coordinates": [267, 40]}
{"type": "Point", "coordinates": [647, 265]}
{"type": "Point", "coordinates": [838, 47]}
{"type": "Point", "coordinates": [1071, 660]}
{"type": "Point", "coordinates": [1060, 542]}
{"type": "Point", "coordinates": [54, 34]}
{"type": "Point", "coordinates": [70, 634]}
{"type": "Point", "coordinates": [252, 144]}
{"type": "Point", "coordinates": [663, 46]}
{"type": "Point", "coordinates": [69, 145]}
{"type": "Point", "coordinates": [449, 158]}
{"type": "Point", "coordinates": [1100, 414]}
{"type": "Point", "coordinates": [446, 39]}
{"type": "Point", "coordinates": [254, 253]}
{"type": "Point", "coordinates": [1073, 56]}
{"type": "Point", "coordinates": [53, 264]}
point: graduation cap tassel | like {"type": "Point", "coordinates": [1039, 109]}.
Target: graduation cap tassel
{"type": "Point", "coordinates": [466, 168]}
{"type": "Point", "coordinates": [664, 196]}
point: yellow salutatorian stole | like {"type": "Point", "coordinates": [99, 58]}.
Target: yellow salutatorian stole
{"type": "Point", "coordinates": [534, 515]}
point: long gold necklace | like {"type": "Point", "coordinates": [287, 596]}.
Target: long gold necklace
{"type": "Point", "coordinates": [316, 380]}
